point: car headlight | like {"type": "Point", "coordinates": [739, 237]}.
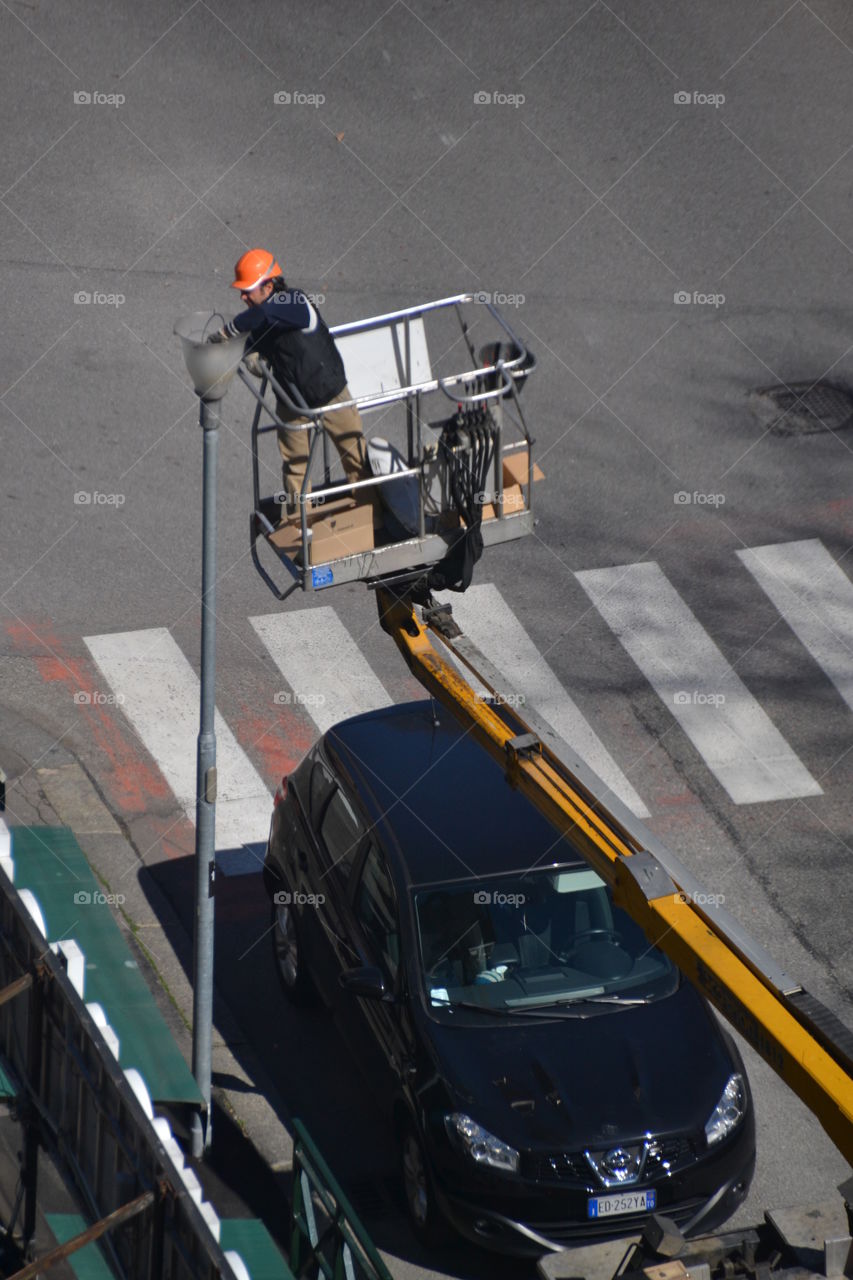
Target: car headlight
{"type": "Point", "coordinates": [482, 1146]}
{"type": "Point", "coordinates": [729, 1111]}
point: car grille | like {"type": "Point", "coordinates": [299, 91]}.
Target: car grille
{"type": "Point", "coordinates": [557, 1166]}
{"type": "Point", "coordinates": [669, 1155]}
{"type": "Point", "coordinates": [666, 1155]}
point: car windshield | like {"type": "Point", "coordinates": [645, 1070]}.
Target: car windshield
{"type": "Point", "coordinates": [546, 938]}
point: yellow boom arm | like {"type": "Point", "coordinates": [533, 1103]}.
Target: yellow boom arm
{"type": "Point", "coordinates": [800, 1039]}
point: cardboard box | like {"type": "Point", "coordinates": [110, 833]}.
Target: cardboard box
{"type": "Point", "coordinates": [338, 528]}
{"type": "Point", "coordinates": [290, 529]}
{"type": "Point", "coordinates": [513, 501]}
{"type": "Point", "coordinates": [516, 467]}
{"type": "Point", "coordinates": [335, 534]}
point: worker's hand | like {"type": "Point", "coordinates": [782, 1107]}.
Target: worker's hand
{"type": "Point", "coordinates": [254, 364]}
{"type": "Point", "coordinates": [219, 336]}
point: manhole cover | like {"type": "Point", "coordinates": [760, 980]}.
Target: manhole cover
{"type": "Point", "coordinates": [802, 408]}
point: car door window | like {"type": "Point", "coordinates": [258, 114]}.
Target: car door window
{"type": "Point", "coordinates": [322, 783]}
{"type": "Point", "coordinates": [376, 911]}
{"type": "Point", "coordinates": [341, 831]}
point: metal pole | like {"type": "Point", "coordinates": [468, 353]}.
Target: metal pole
{"type": "Point", "coordinates": [205, 826]}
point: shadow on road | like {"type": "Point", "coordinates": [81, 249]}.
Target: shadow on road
{"type": "Point", "coordinates": [313, 1073]}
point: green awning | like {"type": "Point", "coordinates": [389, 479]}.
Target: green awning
{"type": "Point", "coordinates": [255, 1246]}
{"type": "Point", "coordinates": [50, 862]}
{"type": "Point", "coordinates": [87, 1263]}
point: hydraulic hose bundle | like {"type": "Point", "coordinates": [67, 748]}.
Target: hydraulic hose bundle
{"type": "Point", "coordinates": [467, 448]}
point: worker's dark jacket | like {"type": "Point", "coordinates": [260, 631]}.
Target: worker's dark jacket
{"type": "Point", "coordinates": [289, 332]}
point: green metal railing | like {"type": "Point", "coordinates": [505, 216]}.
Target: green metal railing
{"type": "Point", "coordinates": [327, 1237]}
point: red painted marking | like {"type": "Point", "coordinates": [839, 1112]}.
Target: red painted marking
{"type": "Point", "coordinates": [132, 782]}
{"type": "Point", "coordinates": [679, 800]}
{"type": "Point", "coordinates": [175, 839]}
{"type": "Point", "coordinates": [280, 739]}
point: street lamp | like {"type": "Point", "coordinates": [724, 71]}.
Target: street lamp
{"type": "Point", "coordinates": [211, 367]}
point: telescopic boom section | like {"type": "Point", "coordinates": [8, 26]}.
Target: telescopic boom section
{"type": "Point", "coordinates": [805, 1044]}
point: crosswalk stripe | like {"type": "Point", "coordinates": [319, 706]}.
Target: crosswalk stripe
{"type": "Point", "coordinates": [815, 597]}
{"type": "Point", "coordinates": [328, 674]}
{"type": "Point", "coordinates": [739, 743]}
{"type": "Point", "coordinates": [491, 624]}
{"type": "Point", "coordinates": [158, 691]}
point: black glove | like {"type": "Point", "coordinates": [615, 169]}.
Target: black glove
{"type": "Point", "coordinates": [219, 336]}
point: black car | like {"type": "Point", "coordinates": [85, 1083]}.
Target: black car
{"type": "Point", "coordinates": [549, 1075]}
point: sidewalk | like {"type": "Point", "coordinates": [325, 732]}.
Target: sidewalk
{"type": "Point", "coordinates": [54, 790]}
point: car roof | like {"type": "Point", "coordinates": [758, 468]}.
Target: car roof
{"type": "Point", "coordinates": [440, 796]}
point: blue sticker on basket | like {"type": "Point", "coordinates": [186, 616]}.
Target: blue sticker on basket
{"type": "Point", "coordinates": [322, 577]}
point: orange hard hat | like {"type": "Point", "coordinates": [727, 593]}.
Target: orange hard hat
{"type": "Point", "coordinates": [255, 266]}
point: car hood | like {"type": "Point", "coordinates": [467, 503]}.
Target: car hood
{"type": "Point", "coordinates": [588, 1081]}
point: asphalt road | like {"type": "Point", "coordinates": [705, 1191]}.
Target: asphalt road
{"type": "Point", "coordinates": [587, 194]}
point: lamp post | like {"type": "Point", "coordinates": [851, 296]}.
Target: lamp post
{"type": "Point", "coordinates": [211, 367]}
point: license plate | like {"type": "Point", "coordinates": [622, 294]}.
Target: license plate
{"type": "Point", "coordinates": [621, 1202]}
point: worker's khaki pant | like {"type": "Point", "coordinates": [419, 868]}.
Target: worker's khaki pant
{"type": "Point", "coordinates": [345, 429]}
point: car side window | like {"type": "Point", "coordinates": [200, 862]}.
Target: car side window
{"type": "Point", "coordinates": [376, 911]}
{"type": "Point", "coordinates": [322, 783]}
{"type": "Point", "coordinates": [341, 832]}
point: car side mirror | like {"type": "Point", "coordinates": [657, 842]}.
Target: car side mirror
{"type": "Point", "coordinates": [367, 981]}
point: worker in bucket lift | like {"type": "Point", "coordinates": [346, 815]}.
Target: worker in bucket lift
{"type": "Point", "coordinates": [288, 331]}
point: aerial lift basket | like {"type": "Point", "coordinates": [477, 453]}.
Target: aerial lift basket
{"type": "Point", "coordinates": [459, 477]}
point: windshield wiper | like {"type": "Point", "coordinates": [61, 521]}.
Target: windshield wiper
{"type": "Point", "coordinates": [499, 1011]}
{"type": "Point", "coordinates": [567, 1003]}
{"type": "Point", "coordinates": [561, 1006]}
{"type": "Point", "coordinates": [611, 999]}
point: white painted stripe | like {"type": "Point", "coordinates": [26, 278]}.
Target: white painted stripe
{"type": "Point", "coordinates": [815, 597]}
{"type": "Point", "coordinates": [159, 691]}
{"type": "Point", "coordinates": [739, 743]}
{"type": "Point", "coordinates": [328, 675]}
{"type": "Point", "coordinates": [489, 622]}
{"type": "Point", "coordinates": [7, 862]}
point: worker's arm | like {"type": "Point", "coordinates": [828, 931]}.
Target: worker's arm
{"type": "Point", "coordinates": [288, 308]}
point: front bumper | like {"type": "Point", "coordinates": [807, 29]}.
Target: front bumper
{"type": "Point", "coordinates": [540, 1220]}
